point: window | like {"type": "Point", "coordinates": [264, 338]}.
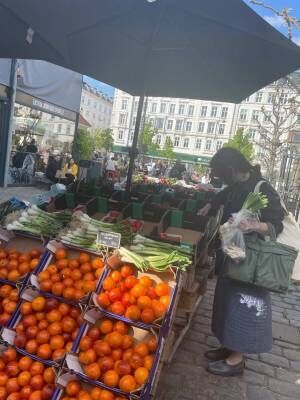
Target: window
{"type": "Point", "coordinates": [181, 109]}
{"type": "Point", "coordinates": [170, 124]}
{"type": "Point", "coordinates": [219, 144]}
{"type": "Point", "coordinates": [255, 115]}
{"type": "Point", "coordinates": [267, 116]}
{"type": "Point", "coordinates": [89, 102]}
{"type": "Point", "coordinates": [271, 97]}
{"type": "Point", "coordinates": [59, 128]}
{"type": "Point", "coordinates": [211, 127]}
{"type": "Point", "coordinates": [133, 121]}
{"type": "Point", "coordinates": [298, 119]}
{"type": "Point", "coordinates": [251, 133]}
{"type": "Point", "coordinates": [178, 126]}
{"type": "Point", "coordinates": [214, 111]}
{"type": "Point", "coordinates": [198, 144]}
{"type": "Point", "coordinates": [122, 119]}
{"type": "Point", "coordinates": [203, 111]}
{"type": "Point", "coordinates": [191, 111]}
{"type": "Point", "coordinates": [201, 127]}
{"type": "Point", "coordinates": [158, 139]}
{"type": "Point", "coordinates": [95, 104]}
{"type": "Point", "coordinates": [208, 145]}
{"type": "Point", "coordinates": [68, 130]}
{"type": "Point", "coordinates": [259, 97]}
{"type": "Point", "coordinates": [284, 98]}
{"type": "Point", "coordinates": [159, 123]}
{"type": "Point", "coordinates": [221, 129]}
{"type": "Point", "coordinates": [172, 109]}
{"type": "Point", "coordinates": [124, 104]}
{"type": "Point", "coordinates": [186, 143]}
{"type": "Point", "coordinates": [176, 141]}
{"type": "Point", "coordinates": [188, 126]}
{"type": "Point", "coordinates": [224, 112]}
{"type": "Point", "coordinates": [135, 107]}
{"type": "Point", "coordinates": [153, 107]}
{"type": "Point", "coordinates": [246, 100]}
{"type": "Point", "coordinates": [120, 135]}
{"type": "Point", "coordinates": [162, 108]}
{"type": "Point", "coordinates": [131, 135]}
{"type": "Point", "coordinates": [243, 114]}
{"type": "Point", "coordinates": [82, 99]}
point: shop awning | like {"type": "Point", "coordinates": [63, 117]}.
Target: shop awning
{"type": "Point", "coordinates": [219, 50]}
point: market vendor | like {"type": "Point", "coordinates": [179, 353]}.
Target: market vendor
{"type": "Point", "coordinates": [242, 316]}
{"type": "Point", "coordinates": [69, 172]}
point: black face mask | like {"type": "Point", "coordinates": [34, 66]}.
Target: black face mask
{"type": "Point", "coordinates": [225, 174]}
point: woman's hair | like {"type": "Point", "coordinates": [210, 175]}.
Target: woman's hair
{"type": "Point", "coordinates": [229, 158]}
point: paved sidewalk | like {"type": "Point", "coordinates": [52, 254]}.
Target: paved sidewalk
{"type": "Point", "coordinates": [272, 376]}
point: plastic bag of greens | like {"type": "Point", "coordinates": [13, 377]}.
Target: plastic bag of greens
{"type": "Point", "coordinates": [232, 236]}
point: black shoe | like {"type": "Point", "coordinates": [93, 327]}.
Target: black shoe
{"type": "Point", "coordinates": [221, 368]}
{"type": "Point", "coordinates": [217, 354]}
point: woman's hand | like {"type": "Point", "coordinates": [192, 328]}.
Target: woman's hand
{"type": "Point", "coordinates": [205, 210]}
{"type": "Point", "coordinates": [254, 226]}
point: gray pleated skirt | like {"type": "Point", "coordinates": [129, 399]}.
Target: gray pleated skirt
{"type": "Point", "coordinates": [242, 317]}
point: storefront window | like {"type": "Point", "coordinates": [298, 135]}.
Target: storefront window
{"type": "Point", "coordinates": [41, 145]}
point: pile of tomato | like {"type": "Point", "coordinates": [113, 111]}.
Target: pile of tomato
{"type": "Point", "coordinates": [14, 264]}
{"type": "Point", "coordinates": [9, 297]}
{"type": "Point", "coordinates": [47, 327]}
{"type": "Point", "coordinates": [138, 299]}
{"type": "Point", "coordinates": [75, 390]}
{"type": "Point", "coordinates": [109, 353]}
{"type": "Point", "coordinates": [23, 378]}
{"type": "Point", "coordinates": [71, 278]}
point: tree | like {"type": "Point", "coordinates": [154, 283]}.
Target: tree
{"type": "Point", "coordinates": [167, 151]}
{"type": "Point", "coordinates": [277, 121]}
{"type": "Point", "coordinates": [83, 145]}
{"type": "Point", "coordinates": [146, 139]}
{"type": "Point", "coordinates": [103, 139]}
{"type": "Point", "coordinates": [241, 142]}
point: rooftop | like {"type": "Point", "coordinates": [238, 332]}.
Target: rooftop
{"type": "Point", "coordinates": [96, 92]}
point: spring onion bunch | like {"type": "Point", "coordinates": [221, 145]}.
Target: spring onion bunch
{"type": "Point", "coordinates": [38, 222]}
{"type": "Point", "coordinates": [255, 202]}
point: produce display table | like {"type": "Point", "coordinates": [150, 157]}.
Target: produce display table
{"type": "Point", "coordinates": [105, 301]}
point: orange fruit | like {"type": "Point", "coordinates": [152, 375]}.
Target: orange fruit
{"type": "Point", "coordinates": [108, 283]}
{"type": "Point", "coordinates": [38, 303]}
{"type": "Point", "coordinates": [25, 363]}
{"type": "Point", "coordinates": [144, 302]}
{"type": "Point", "coordinates": [13, 275]}
{"type": "Point", "coordinates": [115, 340]}
{"type": "Point", "coordinates": [52, 269]}
{"type": "Point", "coordinates": [141, 375]}
{"type": "Point", "coordinates": [121, 327]}
{"type": "Point", "coordinates": [95, 393]}
{"type": "Point", "coordinates": [103, 300]}
{"type": "Point", "coordinates": [106, 326]}
{"type": "Point", "coordinates": [84, 258]}
{"type": "Point", "coordinates": [165, 300]}
{"type": "Point", "coordinates": [57, 288]}
{"type": "Point", "coordinates": [136, 361]}
{"type": "Point", "coordinates": [159, 309]}
{"type": "Point", "coordinates": [57, 342]}
{"type": "Point", "coordinates": [127, 342]}
{"type": "Point", "coordinates": [31, 346]}
{"type": "Point", "coordinates": [148, 316]}
{"type": "Point", "coordinates": [36, 368]}
{"type": "Point", "coordinates": [97, 263]}
{"type": "Point", "coordinates": [69, 293]}
{"type": "Point", "coordinates": [126, 270]}
{"type": "Point", "coordinates": [148, 362]}
{"type": "Point", "coordinates": [127, 383]}
{"type": "Point", "coordinates": [93, 371]}
{"type": "Point", "coordinates": [146, 281]}
{"type": "Point", "coordinates": [138, 290]}
{"type": "Point", "coordinates": [24, 267]}
{"type": "Point", "coordinates": [73, 388]}
{"type": "Point", "coordinates": [106, 395]}
{"type": "Point", "coordinates": [34, 263]}
{"type": "Point", "coordinates": [111, 378]}
{"type": "Point", "coordinates": [46, 286]}
{"type": "Point", "coordinates": [26, 308]}
{"type": "Point", "coordinates": [130, 281]}
{"type": "Point", "coordinates": [49, 375]}
{"type": "Point", "coordinates": [102, 348]}
{"type": "Point", "coordinates": [152, 344]}
{"type": "Point", "coordinates": [24, 378]}
{"type": "Point", "coordinates": [116, 276]}
{"type": "Point", "coordinates": [133, 313]}
{"type": "Point", "coordinates": [118, 308]}
{"type": "Point", "coordinates": [117, 354]}
{"type": "Point", "coordinates": [141, 349]}
{"type": "Point", "coordinates": [61, 254]}
{"type": "Point", "coordinates": [162, 289]}
{"type": "Point", "coordinates": [62, 264]}
{"type": "Point", "coordinates": [44, 351]}
{"type": "Point", "coordinates": [106, 363]}
{"type": "Point", "coordinates": [54, 316]}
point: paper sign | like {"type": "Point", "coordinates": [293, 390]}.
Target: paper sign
{"type": "Point", "coordinates": [109, 239]}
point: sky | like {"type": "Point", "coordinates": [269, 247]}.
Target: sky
{"type": "Point", "coordinates": [269, 16]}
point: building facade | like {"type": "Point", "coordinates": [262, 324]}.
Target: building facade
{"type": "Point", "coordinates": [196, 127]}
{"type": "Point", "coordinates": [96, 107]}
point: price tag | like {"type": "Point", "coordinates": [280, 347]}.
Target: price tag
{"type": "Point", "coordinates": [109, 239]}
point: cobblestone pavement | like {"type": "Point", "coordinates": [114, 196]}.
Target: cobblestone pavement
{"type": "Point", "coordinates": [272, 376]}
{"type": "Point", "coordinates": [22, 193]}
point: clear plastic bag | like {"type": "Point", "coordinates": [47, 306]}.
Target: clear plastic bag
{"type": "Point", "coordinates": [232, 237]}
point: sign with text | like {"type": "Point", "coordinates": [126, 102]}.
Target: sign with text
{"type": "Point", "coordinates": [109, 239]}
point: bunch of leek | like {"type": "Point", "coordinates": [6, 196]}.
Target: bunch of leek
{"type": "Point", "coordinates": [38, 222]}
{"type": "Point", "coordinates": [255, 202]}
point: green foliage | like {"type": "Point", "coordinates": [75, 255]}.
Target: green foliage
{"type": "Point", "coordinates": [145, 141]}
{"type": "Point", "coordinates": [200, 169]}
{"type": "Point", "coordinates": [103, 139]}
{"type": "Point", "coordinates": [83, 145]}
{"type": "Point", "coordinates": [241, 142]}
{"type": "Point", "coordinates": [167, 151]}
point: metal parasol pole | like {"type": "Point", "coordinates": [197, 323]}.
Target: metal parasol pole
{"type": "Point", "coordinates": [133, 150]}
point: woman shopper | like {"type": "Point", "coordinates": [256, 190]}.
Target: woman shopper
{"type": "Point", "coordinates": [242, 316]}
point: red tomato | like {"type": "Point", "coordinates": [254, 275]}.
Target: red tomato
{"type": "Point", "coordinates": [115, 295]}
